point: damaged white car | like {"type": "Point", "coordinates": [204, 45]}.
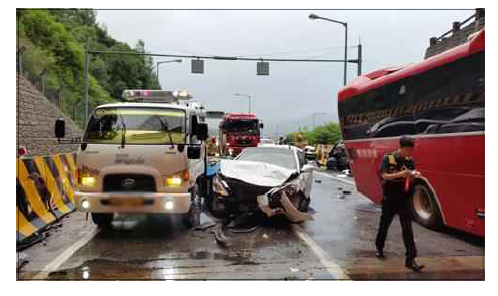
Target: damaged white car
{"type": "Point", "coordinates": [272, 180]}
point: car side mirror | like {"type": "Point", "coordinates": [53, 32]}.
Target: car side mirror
{"type": "Point", "coordinates": [194, 152]}
{"type": "Point", "coordinates": [261, 125]}
{"type": "Point", "coordinates": [202, 131]}
{"type": "Point", "coordinates": [60, 128]}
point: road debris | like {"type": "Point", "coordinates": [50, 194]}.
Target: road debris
{"type": "Point", "coordinates": [220, 237]}
{"type": "Point", "coordinates": [22, 259]}
{"type": "Point", "coordinates": [294, 269]}
{"type": "Point", "coordinates": [265, 236]}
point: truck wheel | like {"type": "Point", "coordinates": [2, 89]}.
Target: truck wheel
{"type": "Point", "coordinates": [425, 208]}
{"type": "Point", "coordinates": [103, 220]}
{"type": "Point", "coordinates": [193, 217]}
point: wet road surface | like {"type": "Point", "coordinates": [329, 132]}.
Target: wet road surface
{"type": "Point", "coordinates": [340, 239]}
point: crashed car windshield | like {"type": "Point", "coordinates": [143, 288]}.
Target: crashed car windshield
{"type": "Point", "coordinates": [276, 156]}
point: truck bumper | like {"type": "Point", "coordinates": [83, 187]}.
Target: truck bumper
{"type": "Point", "coordinates": [132, 202]}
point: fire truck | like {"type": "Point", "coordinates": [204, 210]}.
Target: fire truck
{"type": "Point", "coordinates": [238, 131]}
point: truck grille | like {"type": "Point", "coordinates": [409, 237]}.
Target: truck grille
{"type": "Point", "coordinates": [129, 182]}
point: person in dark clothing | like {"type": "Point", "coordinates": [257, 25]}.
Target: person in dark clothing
{"type": "Point", "coordinates": [398, 172]}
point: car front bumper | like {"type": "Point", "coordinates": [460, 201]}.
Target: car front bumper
{"type": "Point", "coordinates": [132, 202]}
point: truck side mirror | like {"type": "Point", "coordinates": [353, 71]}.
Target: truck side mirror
{"type": "Point", "coordinates": [202, 131]}
{"type": "Point", "coordinates": [60, 128]}
{"type": "Point", "coordinates": [194, 152]}
{"type": "Point", "coordinates": [261, 125]}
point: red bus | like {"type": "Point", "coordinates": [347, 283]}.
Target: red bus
{"type": "Point", "coordinates": [238, 131]}
{"type": "Point", "coordinates": [440, 102]}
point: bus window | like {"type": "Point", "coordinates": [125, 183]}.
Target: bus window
{"type": "Point", "coordinates": [450, 99]}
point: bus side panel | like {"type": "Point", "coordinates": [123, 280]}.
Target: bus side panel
{"type": "Point", "coordinates": [365, 158]}
{"type": "Point", "coordinates": [457, 177]}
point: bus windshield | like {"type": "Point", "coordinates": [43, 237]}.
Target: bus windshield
{"type": "Point", "coordinates": [137, 125]}
{"type": "Point", "coordinates": [249, 126]}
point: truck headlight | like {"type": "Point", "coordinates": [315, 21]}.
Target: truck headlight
{"type": "Point", "coordinates": [176, 179]}
{"type": "Point", "coordinates": [88, 181]}
{"type": "Point", "coordinates": [85, 204]}
{"type": "Point", "coordinates": [219, 186]}
{"type": "Point", "coordinates": [168, 205]}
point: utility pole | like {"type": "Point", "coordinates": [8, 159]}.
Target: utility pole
{"type": "Point", "coordinates": [359, 59]}
{"type": "Point", "coordinates": [86, 78]}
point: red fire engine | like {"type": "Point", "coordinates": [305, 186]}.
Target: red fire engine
{"type": "Point", "coordinates": [238, 131]}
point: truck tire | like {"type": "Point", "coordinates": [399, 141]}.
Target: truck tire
{"type": "Point", "coordinates": [103, 220]}
{"type": "Point", "coordinates": [193, 217]}
{"type": "Point", "coordinates": [425, 209]}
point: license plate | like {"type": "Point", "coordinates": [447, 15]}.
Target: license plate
{"type": "Point", "coordinates": [126, 201]}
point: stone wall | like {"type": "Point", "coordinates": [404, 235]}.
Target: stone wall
{"type": "Point", "coordinates": [457, 36]}
{"type": "Point", "coordinates": [35, 120]}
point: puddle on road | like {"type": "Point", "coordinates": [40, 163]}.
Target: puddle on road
{"type": "Point", "coordinates": [101, 268]}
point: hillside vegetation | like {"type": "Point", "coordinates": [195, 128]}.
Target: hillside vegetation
{"type": "Point", "coordinates": [55, 40]}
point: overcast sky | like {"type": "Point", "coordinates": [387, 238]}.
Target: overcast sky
{"type": "Point", "coordinates": [293, 91]}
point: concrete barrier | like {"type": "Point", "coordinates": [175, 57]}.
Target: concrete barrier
{"type": "Point", "coordinates": [45, 191]}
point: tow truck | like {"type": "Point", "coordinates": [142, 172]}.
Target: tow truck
{"type": "Point", "coordinates": [145, 155]}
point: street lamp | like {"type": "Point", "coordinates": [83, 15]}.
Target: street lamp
{"type": "Point", "coordinates": [314, 17]}
{"type": "Point", "coordinates": [317, 113]}
{"type": "Point", "coordinates": [247, 96]}
{"type": "Point", "coordinates": [163, 62]}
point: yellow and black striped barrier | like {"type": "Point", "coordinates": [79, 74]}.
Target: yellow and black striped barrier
{"type": "Point", "coordinates": [45, 191]}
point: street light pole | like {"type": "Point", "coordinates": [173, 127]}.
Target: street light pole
{"type": "Point", "coordinates": [314, 16]}
{"type": "Point", "coordinates": [247, 96]}
{"type": "Point", "coordinates": [163, 62]}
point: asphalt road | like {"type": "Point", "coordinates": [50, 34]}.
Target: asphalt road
{"type": "Point", "coordinates": [338, 244]}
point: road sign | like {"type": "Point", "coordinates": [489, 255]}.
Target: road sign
{"type": "Point", "coordinates": [263, 68]}
{"type": "Point", "coordinates": [198, 66]}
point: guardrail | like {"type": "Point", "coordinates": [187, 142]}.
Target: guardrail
{"type": "Point", "coordinates": [45, 191]}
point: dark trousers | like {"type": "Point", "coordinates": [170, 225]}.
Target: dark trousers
{"type": "Point", "coordinates": [389, 210]}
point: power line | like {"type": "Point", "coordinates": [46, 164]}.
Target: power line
{"type": "Point", "coordinates": [231, 58]}
{"type": "Point", "coordinates": [298, 51]}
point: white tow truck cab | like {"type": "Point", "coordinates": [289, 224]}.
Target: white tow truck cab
{"type": "Point", "coordinates": [142, 156]}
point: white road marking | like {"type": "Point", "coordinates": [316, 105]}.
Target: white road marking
{"type": "Point", "coordinates": [57, 262]}
{"type": "Point", "coordinates": [333, 268]}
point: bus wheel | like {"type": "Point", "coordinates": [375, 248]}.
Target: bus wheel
{"type": "Point", "coordinates": [103, 220]}
{"type": "Point", "coordinates": [424, 207]}
{"type": "Point", "coordinates": [193, 217]}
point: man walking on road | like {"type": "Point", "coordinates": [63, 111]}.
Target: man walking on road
{"type": "Point", "coordinates": [397, 172]}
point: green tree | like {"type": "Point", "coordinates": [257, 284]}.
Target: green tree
{"type": "Point", "coordinates": [55, 40]}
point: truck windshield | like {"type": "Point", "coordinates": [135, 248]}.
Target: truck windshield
{"type": "Point", "coordinates": [244, 126]}
{"type": "Point", "coordinates": [143, 126]}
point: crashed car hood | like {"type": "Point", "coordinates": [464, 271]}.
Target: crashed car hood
{"type": "Point", "coordinates": [257, 173]}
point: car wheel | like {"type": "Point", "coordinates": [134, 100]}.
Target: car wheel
{"type": "Point", "coordinates": [193, 217]}
{"type": "Point", "coordinates": [425, 208]}
{"type": "Point", "coordinates": [103, 220]}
